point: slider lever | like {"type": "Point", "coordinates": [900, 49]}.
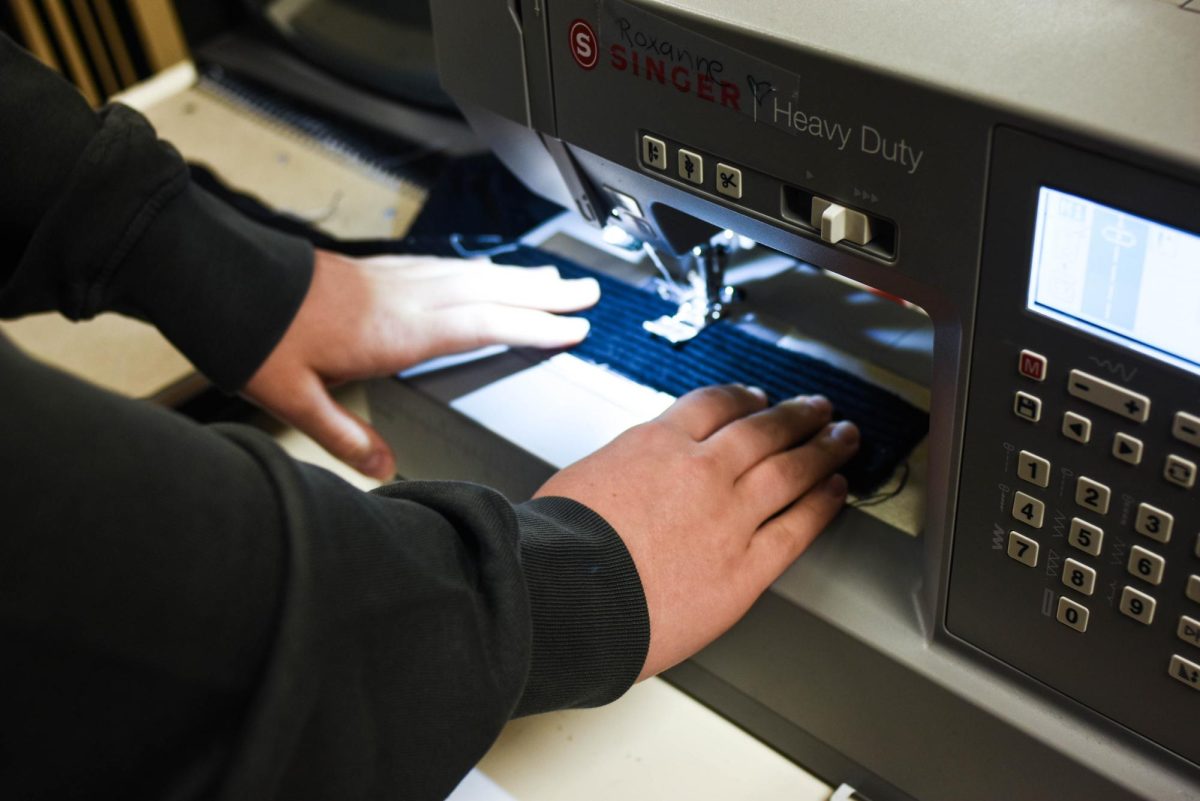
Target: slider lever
{"type": "Point", "coordinates": [836, 222]}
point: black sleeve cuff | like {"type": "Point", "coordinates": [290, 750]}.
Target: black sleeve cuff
{"type": "Point", "coordinates": [221, 287]}
{"type": "Point", "coordinates": [131, 233]}
{"type": "Point", "coordinates": [591, 627]}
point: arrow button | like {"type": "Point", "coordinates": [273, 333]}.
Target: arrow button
{"type": "Point", "coordinates": [1126, 448]}
{"type": "Point", "coordinates": [1077, 427]}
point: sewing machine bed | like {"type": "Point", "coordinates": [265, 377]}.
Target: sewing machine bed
{"type": "Point", "coordinates": [725, 353]}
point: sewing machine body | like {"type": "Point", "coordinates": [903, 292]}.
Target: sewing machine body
{"type": "Point", "coordinates": [942, 666]}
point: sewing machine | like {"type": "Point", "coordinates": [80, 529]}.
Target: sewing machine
{"type": "Point", "coordinates": [1021, 619]}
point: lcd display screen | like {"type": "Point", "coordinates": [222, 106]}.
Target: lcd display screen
{"type": "Point", "coordinates": [1119, 276]}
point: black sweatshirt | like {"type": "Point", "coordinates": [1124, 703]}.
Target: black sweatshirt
{"type": "Point", "coordinates": [187, 613]}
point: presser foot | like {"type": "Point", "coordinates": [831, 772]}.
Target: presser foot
{"type": "Point", "coordinates": [693, 316]}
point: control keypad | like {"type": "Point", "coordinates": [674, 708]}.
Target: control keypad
{"type": "Point", "coordinates": [1113, 559]}
{"type": "Point", "coordinates": [1118, 666]}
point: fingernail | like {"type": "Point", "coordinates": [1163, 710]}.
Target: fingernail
{"type": "Point", "coordinates": [819, 403]}
{"type": "Point", "coordinates": [374, 464]}
{"type": "Point", "coordinates": [575, 327]}
{"type": "Point", "coordinates": [845, 432]}
{"type": "Point", "coordinates": [584, 287]}
{"type": "Point", "coordinates": [758, 392]}
{"type": "Point", "coordinates": [836, 486]}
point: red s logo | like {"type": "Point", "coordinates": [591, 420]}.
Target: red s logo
{"type": "Point", "coordinates": [584, 46]}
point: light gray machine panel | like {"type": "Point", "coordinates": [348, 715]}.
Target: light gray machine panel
{"type": "Point", "coordinates": [957, 665]}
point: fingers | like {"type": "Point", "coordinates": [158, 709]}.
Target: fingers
{"type": "Point", "coordinates": [435, 283]}
{"type": "Point", "coordinates": [783, 538]}
{"type": "Point", "coordinates": [702, 412]}
{"type": "Point", "coordinates": [410, 267]}
{"type": "Point", "coordinates": [310, 408]}
{"type": "Point", "coordinates": [778, 480]}
{"type": "Point", "coordinates": [746, 442]}
{"type": "Point", "coordinates": [462, 328]}
{"type": "Point", "coordinates": [533, 288]}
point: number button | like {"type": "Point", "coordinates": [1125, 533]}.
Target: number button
{"type": "Point", "coordinates": [1185, 671]}
{"type": "Point", "coordinates": [1146, 564]}
{"type": "Point", "coordinates": [1085, 536]}
{"type": "Point", "coordinates": [1138, 605]}
{"type": "Point", "coordinates": [1023, 549]}
{"type": "Point", "coordinates": [1077, 427]}
{"type": "Point", "coordinates": [1028, 407]}
{"type": "Point", "coordinates": [1180, 471]}
{"type": "Point", "coordinates": [1033, 468]}
{"type": "Point", "coordinates": [1154, 523]}
{"type": "Point", "coordinates": [1193, 588]}
{"type": "Point", "coordinates": [1126, 448]}
{"type": "Point", "coordinates": [1188, 630]}
{"type": "Point", "coordinates": [1092, 495]}
{"type": "Point", "coordinates": [1079, 576]}
{"type": "Point", "coordinates": [1072, 614]}
{"type": "Point", "coordinates": [1028, 509]}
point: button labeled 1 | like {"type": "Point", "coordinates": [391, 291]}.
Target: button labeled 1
{"type": "Point", "coordinates": [1033, 468]}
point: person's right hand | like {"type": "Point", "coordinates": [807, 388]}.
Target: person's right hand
{"type": "Point", "coordinates": [714, 499]}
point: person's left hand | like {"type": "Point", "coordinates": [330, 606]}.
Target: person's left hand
{"type": "Point", "coordinates": [369, 317]}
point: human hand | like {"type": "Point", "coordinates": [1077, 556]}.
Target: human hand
{"type": "Point", "coordinates": [714, 499]}
{"type": "Point", "coordinates": [370, 317]}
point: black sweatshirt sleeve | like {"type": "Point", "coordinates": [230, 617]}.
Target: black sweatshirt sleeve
{"type": "Point", "coordinates": [98, 215]}
{"type": "Point", "coordinates": [186, 613]}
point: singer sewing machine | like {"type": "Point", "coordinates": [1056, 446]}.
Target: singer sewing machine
{"type": "Point", "coordinates": [1026, 177]}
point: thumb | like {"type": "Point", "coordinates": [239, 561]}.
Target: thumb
{"type": "Point", "coordinates": [314, 411]}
